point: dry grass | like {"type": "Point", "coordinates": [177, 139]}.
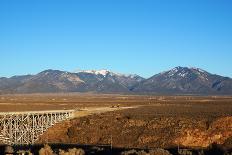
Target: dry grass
{"type": "Point", "coordinates": [30, 102]}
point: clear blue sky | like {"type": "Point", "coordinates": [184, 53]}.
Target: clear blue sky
{"type": "Point", "coordinates": [128, 36]}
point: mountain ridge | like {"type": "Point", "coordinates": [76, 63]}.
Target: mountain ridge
{"type": "Point", "coordinates": [186, 80]}
{"type": "Point", "coordinates": [179, 80]}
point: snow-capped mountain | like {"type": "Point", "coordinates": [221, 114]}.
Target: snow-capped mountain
{"type": "Point", "coordinates": [61, 81]}
{"type": "Point", "coordinates": [108, 81]}
{"type": "Point", "coordinates": [184, 80]}
{"type": "Point", "coordinates": [102, 72]}
{"type": "Point", "coordinates": [179, 80]}
{"type": "Point", "coordinates": [105, 72]}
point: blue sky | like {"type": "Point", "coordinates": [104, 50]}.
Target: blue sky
{"type": "Point", "coordinates": [128, 36]}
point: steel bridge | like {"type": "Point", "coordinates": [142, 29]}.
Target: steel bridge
{"type": "Point", "coordinates": [26, 127]}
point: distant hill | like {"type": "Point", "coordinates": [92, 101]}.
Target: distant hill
{"type": "Point", "coordinates": [179, 80]}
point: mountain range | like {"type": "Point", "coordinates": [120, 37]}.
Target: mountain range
{"type": "Point", "coordinates": [179, 80]}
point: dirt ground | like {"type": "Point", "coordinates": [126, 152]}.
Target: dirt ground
{"type": "Point", "coordinates": [34, 102]}
{"type": "Point", "coordinates": [31, 102]}
{"type": "Point", "coordinates": [132, 120]}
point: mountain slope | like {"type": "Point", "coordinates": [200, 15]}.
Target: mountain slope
{"type": "Point", "coordinates": [8, 85]}
{"type": "Point", "coordinates": [106, 81]}
{"type": "Point", "coordinates": [185, 80]}
{"type": "Point", "coordinates": [179, 80]}
{"type": "Point", "coordinates": [60, 81]}
{"type": "Point", "coordinates": [51, 81]}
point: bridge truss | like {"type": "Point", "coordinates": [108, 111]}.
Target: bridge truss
{"type": "Point", "coordinates": [26, 127]}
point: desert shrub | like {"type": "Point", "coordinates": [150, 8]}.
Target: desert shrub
{"type": "Point", "coordinates": [130, 152]}
{"type": "Point", "coordinates": [184, 152]}
{"type": "Point", "coordinates": [159, 152]}
{"type": "Point", "coordinates": [201, 152]}
{"type": "Point", "coordinates": [151, 152]}
{"type": "Point", "coordinates": [73, 151]}
{"type": "Point", "coordinates": [127, 117]}
{"type": "Point", "coordinates": [9, 150]}
{"type": "Point", "coordinates": [24, 152]}
{"type": "Point", "coordinates": [46, 150]}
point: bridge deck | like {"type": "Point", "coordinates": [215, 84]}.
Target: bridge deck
{"type": "Point", "coordinates": [36, 112]}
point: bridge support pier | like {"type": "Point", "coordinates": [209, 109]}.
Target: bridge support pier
{"type": "Point", "coordinates": [26, 127]}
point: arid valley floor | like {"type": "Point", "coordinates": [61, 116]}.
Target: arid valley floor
{"type": "Point", "coordinates": [133, 121]}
